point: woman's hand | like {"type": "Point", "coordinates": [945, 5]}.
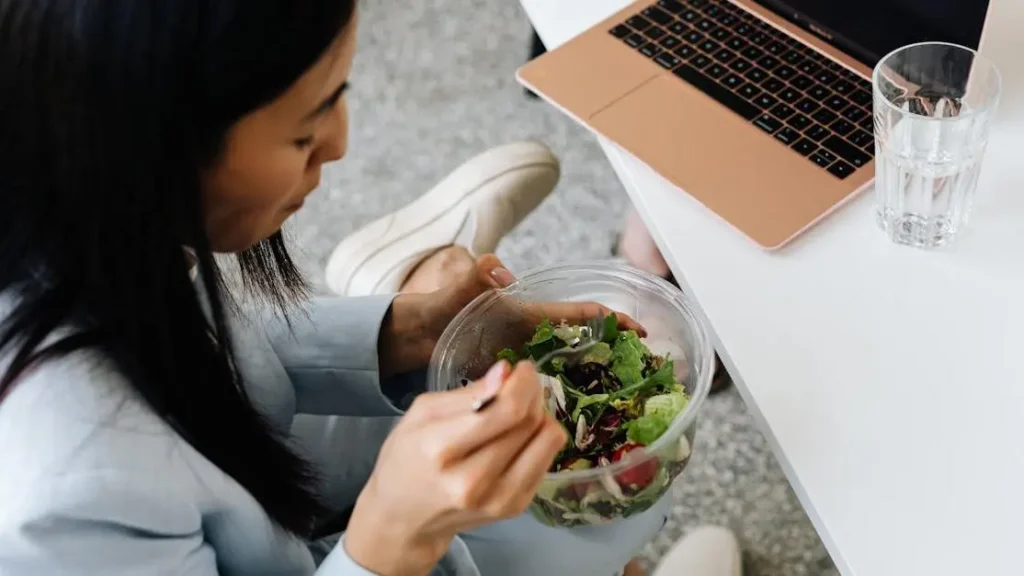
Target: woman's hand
{"type": "Point", "coordinates": [446, 469]}
{"type": "Point", "coordinates": [417, 321]}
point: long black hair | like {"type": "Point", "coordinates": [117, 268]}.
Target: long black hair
{"type": "Point", "coordinates": [110, 110]}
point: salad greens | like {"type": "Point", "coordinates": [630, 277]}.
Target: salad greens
{"type": "Point", "coordinates": [617, 397]}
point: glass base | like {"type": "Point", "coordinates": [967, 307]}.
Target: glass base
{"type": "Point", "coordinates": [916, 230]}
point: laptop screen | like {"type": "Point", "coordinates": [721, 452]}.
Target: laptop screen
{"type": "Point", "coordinates": [870, 29]}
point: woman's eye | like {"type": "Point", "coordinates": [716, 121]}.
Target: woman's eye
{"type": "Point", "coordinates": [303, 143]}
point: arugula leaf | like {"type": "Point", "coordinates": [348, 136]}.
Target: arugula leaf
{"type": "Point", "coordinates": [666, 406]}
{"type": "Point", "coordinates": [628, 357]}
{"type": "Point", "coordinates": [567, 387]}
{"type": "Point", "coordinates": [646, 429]}
{"type": "Point", "coordinates": [600, 353]}
{"type": "Point", "coordinates": [585, 401]}
{"type": "Point", "coordinates": [611, 328]}
{"type": "Point", "coordinates": [557, 364]}
{"type": "Point", "coordinates": [509, 355]}
{"type": "Point", "coordinates": [543, 341]}
{"type": "Point", "coordinates": [665, 377]}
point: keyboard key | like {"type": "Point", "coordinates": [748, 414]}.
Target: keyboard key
{"type": "Point", "coordinates": [670, 42]}
{"type": "Point", "coordinates": [654, 32]}
{"type": "Point", "coordinates": [840, 170]}
{"type": "Point", "coordinates": [672, 6]}
{"type": "Point", "coordinates": [789, 95]}
{"type": "Point", "coordinates": [777, 48]}
{"type": "Point", "coordinates": [753, 53]}
{"type": "Point", "coordinates": [846, 151]}
{"type": "Point", "coordinates": [817, 133]}
{"type": "Point", "coordinates": [787, 136]}
{"type": "Point", "coordinates": [861, 97]}
{"type": "Point", "coordinates": [733, 81]}
{"type": "Point", "coordinates": [773, 85]}
{"type": "Point", "coordinates": [650, 50]}
{"type": "Point", "coordinates": [667, 60]}
{"type": "Point", "coordinates": [819, 93]}
{"type": "Point", "coordinates": [867, 124]}
{"type": "Point", "coordinates": [843, 87]}
{"type": "Point", "coordinates": [638, 23]}
{"type": "Point", "coordinates": [854, 114]}
{"type": "Point", "coordinates": [705, 25]}
{"type": "Point", "coordinates": [620, 31]}
{"type": "Point", "coordinates": [689, 16]}
{"type": "Point", "coordinates": [725, 56]}
{"type": "Point", "coordinates": [820, 160]}
{"type": "Point", "coordinates": [736, 44]}
{"type": "Point", "coordinates": [716, 71]}
{"type": "Point", "coordinates": [793, 57]}
{"type": "Point", "coordinates": [784, 72]}
{"type": "Point", "coordinates": [759, 38]}
{"type": "Point", "coordinates": [842, 127]}
{"type": "Point", "coordinates": [862, 139]}
{"type": "Point", "coordinates": [740, 65]}
{"type": "Point", "coordinates": [708, 46]}
{"type": "Point", "coordinates": [808, 106]}
{"type": "Point", "coordinates": [749, 91]}
{"type": "Point", "coordinates": [804, 147]}
{"type": "Point", "coordinates": [721, 34]}
{"type": "Point", "coordinates": [827, 155]}
{"type": "Point", "coordinates": [801, 82]}
{"type": "Point", "coordinates": [826, 77]}
{"type": "Point", "coordinates": [658, 15]}
{"type": "Point", "coordinates": [678, 28]}
{"type": "Point", "coordinates": [744, 30]}
{"type": "Point", "coordinates": [765, 101]}
{"type": "Point", "coordinates": [809, 67]}
{"type": "Point", "coordinates": [719, 93]}
{"type": "Point", "coordinates": [756, 75]}
{"type": "Point", "coordinates": [728, 20]}
{"type": "Point", "coordinates": [768, 63]}
{"type": "Point", "coordinates": [635, 40]}
{"type": "Point", "coordinates": [836, 102]}
{"type": "Point", "coordinates": [693, 37]}
{"type": "Point", "coordinates": [685, 51]}
{"type": "Point", "coordinates": [700, 61]}
{"type": "Point", "coordinates": [782, 111]}
{"type": "Point", "coordinates": [712, 10]}
{"type": "Point", "coordinates": [799, 121]}
{"type": "Point", "coordinates": [767, 123]}
{"type": "Point", "coordinates": [824, 116]}
{"type": "Point", "coordinates": [698, 4]}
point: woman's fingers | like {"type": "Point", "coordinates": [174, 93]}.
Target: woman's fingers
{"type": "Point", "coordinates": [455, 430]}
{"type": "Point", "coordinates": [494, 272]}
{"type": "Point", "coordinates": [518, 484]}
{"type": "Point", "coordinates": [582, 312]}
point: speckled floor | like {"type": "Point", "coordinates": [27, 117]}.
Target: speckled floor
{"type": "Point", "coordinates": [433, 85]}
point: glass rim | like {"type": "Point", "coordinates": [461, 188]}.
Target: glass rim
{"type": "Point", "coordinates": [683, 303]}
{"type": "Point", "coordinates": [978, 57]}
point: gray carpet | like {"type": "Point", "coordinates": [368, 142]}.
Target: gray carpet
{"type": "Point", "coordinates": [433, 85]}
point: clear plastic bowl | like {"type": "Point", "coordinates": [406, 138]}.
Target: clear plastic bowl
{"type": "Point", "coordinates": [506, 318]}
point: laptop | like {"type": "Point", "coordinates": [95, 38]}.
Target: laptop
{"type": "Point", "coordinates": [759, 109]}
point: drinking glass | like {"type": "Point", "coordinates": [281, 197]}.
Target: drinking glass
{"type": "Point", "coordinates": [933, 105]}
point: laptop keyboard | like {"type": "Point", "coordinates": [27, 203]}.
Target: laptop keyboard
{"type": "Point", "coordinates": [813, 105]}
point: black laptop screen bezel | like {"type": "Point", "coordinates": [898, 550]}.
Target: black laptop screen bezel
{"type": "Point", "coordinates": [870, 29]}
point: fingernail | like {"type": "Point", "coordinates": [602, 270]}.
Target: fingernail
{"type": "Point", "coordinates": [503, 277]}
{"type": "Point", "coordinates": [495, 378]}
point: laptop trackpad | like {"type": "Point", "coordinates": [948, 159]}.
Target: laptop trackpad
{"type": "Point", "coordinates": [714, 155]}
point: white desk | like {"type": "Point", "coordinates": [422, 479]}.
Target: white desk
{"type": "Point", "coordinates": [889, 381]}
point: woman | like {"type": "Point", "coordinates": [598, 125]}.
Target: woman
{"type": "Point", "coordinates": [144, 422]}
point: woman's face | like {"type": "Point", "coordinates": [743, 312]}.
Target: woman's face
{"type": "Point", "coordinates": [272, 157]}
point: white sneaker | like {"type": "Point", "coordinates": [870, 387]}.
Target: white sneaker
{"type": "Point", "coordinates": [707, 551]}
{"type": "Point", "coordinates": [475, 206]}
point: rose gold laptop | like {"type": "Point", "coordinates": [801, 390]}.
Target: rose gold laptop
{"type": "Point", "coordinates": [758, 109]}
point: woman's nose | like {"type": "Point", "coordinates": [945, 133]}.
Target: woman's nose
{"type": "Point", "coordinates": [335, 140]}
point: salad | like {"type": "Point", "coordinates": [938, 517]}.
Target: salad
{"type": "Point", "coordinates": [612, 397]}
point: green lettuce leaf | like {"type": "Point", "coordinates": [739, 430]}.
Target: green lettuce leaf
{"type": "Point", "coordinates": [666, 406]}
{"type": "Point", "coordinates": [586, 401]}
{"type": "Point", "coordinates": [664, 378]}
{"type": "Point", "coordinates": [543, 341]}
{"type": "Point", "coordinates": [600, 353]}
{"type": "Point", "coordinates": [628, 357]}
{"type": "Point", "coordinates": [646, 429]}
{"type": "Point", "coordinates": [611, 328]}
{"type": "Point", "coordinates": [509, 355]}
